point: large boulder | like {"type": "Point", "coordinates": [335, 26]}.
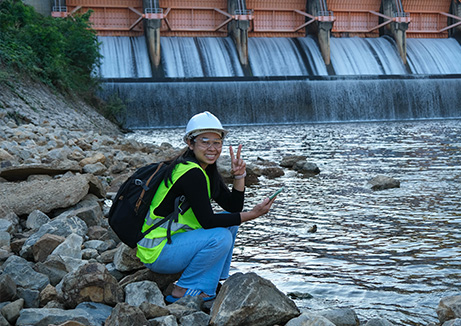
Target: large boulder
{"type": "Point", "coordinates": [248, 299]}
{"type": "Point", "coordinates": [47, 195]}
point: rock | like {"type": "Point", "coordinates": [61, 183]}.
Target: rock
{"type": "Point", "coordinates": [125, 259]}
{"type": "Point", "coordinates": [164, 321]}
{"type": "Point", "coordinates": [45, 246]}
{"type": "Point", "coordinates": [54, 267]}
{"type": "Point", "coordinates": [20, 270]}
{"type": "Point", "coordinates": [449, 308]}
{"type": "Point", "coordinates": [145, 274]}
{"type": "Point", "coordinates": [11, 310]}
{"type": "Point", "coordinates": [382, 182]}
{"type": "Point", "coordinates": [144, 291]}
{"type": "Point", "coordinates": [151, 310]}
{"type": "Point", "coordinates": [22, 172]}
{"type": "Point", "coordinates": [198, 318]}
{"type": "Point", "coordinates": [7, 288]}
{"type": "Point", "coordinates": [46, 317]}
{"type": "Point", "coordinates": [309, 319]}
{"type": "Point", "coordinates": [247, 299]}
{"type": "Point", "coordinates": [96, 158]}
{"type": "Point", "coordinates": [341, 317]}
{"type": "Point", "coordinates": [100, 312]}
{"type": "Point", "coordinates": [453, 322]}
{"type": "Point", "coordinates": [272, 172]}
{"type": "Point", "coordinates": [25, 197]}
{"type": "Point", "coordinates": [125, 315]}
{"type": "Point", "coordinates": [61, 226]}
{"type": "Point", "coordinates": [91, 282]}
{"type": "Point", "coordinates": [289, 161]}
{"type": "Point", "coordinates": [36, 219]}
{"type": "Point", "coordinates": [71, 247]}
{"type": "Point", "coordinates": [96, 169]}
{"type": "Point", "coordinates": [306, 168]}
{"type": "Point", "coordinates": [378, 322]}
{"type": "Point", "coordinates": [48, 294]}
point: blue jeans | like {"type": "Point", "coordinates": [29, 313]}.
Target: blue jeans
{"type": "Point", "coordinates": [203, 255]}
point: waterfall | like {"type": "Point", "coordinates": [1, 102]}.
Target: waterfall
{"type": "Point", "coordinates": [365, 56]}
{"type": "Point", "coordinates": [434, 56]}
{"type": "Point", "coordinates": [124, 57]}
{"type": "Point", "coordinates": [275, 57]}
{"type": "Point", "coordinates": [315, 59]}
{"type": "Point", "coordinates": [199, 57]}
{"type": "Point", "coordinates": [288, 101]}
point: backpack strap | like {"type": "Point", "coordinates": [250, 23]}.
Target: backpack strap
{"type": "Point", "coordinates": [180, 206]}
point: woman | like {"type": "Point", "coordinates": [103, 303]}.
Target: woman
{"type": "Point", "coordinates": [201, 241]}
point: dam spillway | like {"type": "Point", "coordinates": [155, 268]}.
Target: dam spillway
{"type": "Point", "coordinates": [289, 85]}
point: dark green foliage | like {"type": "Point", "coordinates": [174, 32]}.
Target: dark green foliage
{"type": "Point", "coordinates": [59, 52]}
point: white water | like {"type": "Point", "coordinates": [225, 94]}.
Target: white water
{"type": "Point", "coordinates": [314, 56]}
{"type": "Point", "coordinates": [275, 57]}
{"type": "Point", "coordinates": [124, 57]}
{"type": "Point", "coordinates": [365, 56]}
{"type": "Point", "coordinates": [199, 57]}
{"type": "Point", "coordinates": [434, 56]}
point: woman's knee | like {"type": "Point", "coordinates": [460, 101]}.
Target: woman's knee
{"type": "Point", "coordinates": [222, 238]}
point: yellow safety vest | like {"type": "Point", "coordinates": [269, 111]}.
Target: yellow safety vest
{"type": "Point", "coordinates": [150, 247]}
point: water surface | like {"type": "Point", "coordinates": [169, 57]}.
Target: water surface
{"type": "Point", "coordinates": [392, 253]}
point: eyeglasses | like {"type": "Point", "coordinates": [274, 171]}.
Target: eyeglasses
{"type": "Point", "coordinates": [205, 143]}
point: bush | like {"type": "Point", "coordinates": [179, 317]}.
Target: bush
{"type": "Point", "coordinates": [61, 52]}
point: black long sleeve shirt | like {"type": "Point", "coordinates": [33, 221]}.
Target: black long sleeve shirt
{"type": "Point", "coordinates": [193, 186]}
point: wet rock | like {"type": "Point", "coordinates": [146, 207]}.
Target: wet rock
{"type": "Point", "coordinates": [126, 315]}
{"type": "Point", "coordinates": [309, 319]}
{"type": "Point", "coordinates": [341, 317]}
{"type": "Point", "coordinates": [449, 308]}
{"type": "Point", "coordinates": [290, 160]}
{"type": "Point", "coordinates": [306, 168]}
{"type": "Point", "coordinates": [91, 282]}
{"type": "Point", "coordinates": [247, 299]}
{"type": "Point", "coordinates": [378, 322]}
{"type": "Point", "coordinates": [382, 182]}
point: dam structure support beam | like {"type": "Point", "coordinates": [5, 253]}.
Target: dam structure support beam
{"type": "Point", "coordinates": [152, 23]}
{"type": "Point", "coordinates": [321, 27]}
{"type": "Point", "coordinates": [397, 29]}
{"type": "Point", "coordinates": [456, 11]}
{"type": "Point", "coordinates": [238, 29]}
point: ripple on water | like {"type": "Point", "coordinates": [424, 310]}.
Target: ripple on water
{"type": "Point", "coordinates": [390, 254]}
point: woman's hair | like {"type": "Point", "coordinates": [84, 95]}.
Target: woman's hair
{"type": "Point", "coordinates": [186, 156]}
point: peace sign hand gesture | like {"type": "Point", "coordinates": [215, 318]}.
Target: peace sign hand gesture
{"type": "Point", "coordinates": [238, 166]}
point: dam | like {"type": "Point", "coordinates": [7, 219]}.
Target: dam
{"type": "Point", "coordinates": [266, 62]}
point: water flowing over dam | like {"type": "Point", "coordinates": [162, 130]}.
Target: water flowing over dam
{"type": "Point", "coordinates": [289, 81]}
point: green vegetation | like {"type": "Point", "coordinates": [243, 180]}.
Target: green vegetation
{"type": "Point", "coordinates": [59, 52]}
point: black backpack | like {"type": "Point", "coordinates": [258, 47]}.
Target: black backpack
{"type": "Point", "coordinates": [132, 201]}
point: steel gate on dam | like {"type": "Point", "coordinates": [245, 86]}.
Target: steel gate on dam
{"type": "Point", "coordinates": [268, 18]}
{"type": "Point", "coordinates": [242, 19]}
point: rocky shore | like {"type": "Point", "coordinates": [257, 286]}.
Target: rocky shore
{"type": "Point", "coordinates": [60, 263]}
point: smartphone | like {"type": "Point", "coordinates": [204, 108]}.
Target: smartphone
{"type": "Point", "coordinates": [276, 193]}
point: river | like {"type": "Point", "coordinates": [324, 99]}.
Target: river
{"type": "Point", "coordinates": [392, 254]}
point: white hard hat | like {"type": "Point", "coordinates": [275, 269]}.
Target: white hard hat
{"type": "Point", "coordinates": [202, 123]}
